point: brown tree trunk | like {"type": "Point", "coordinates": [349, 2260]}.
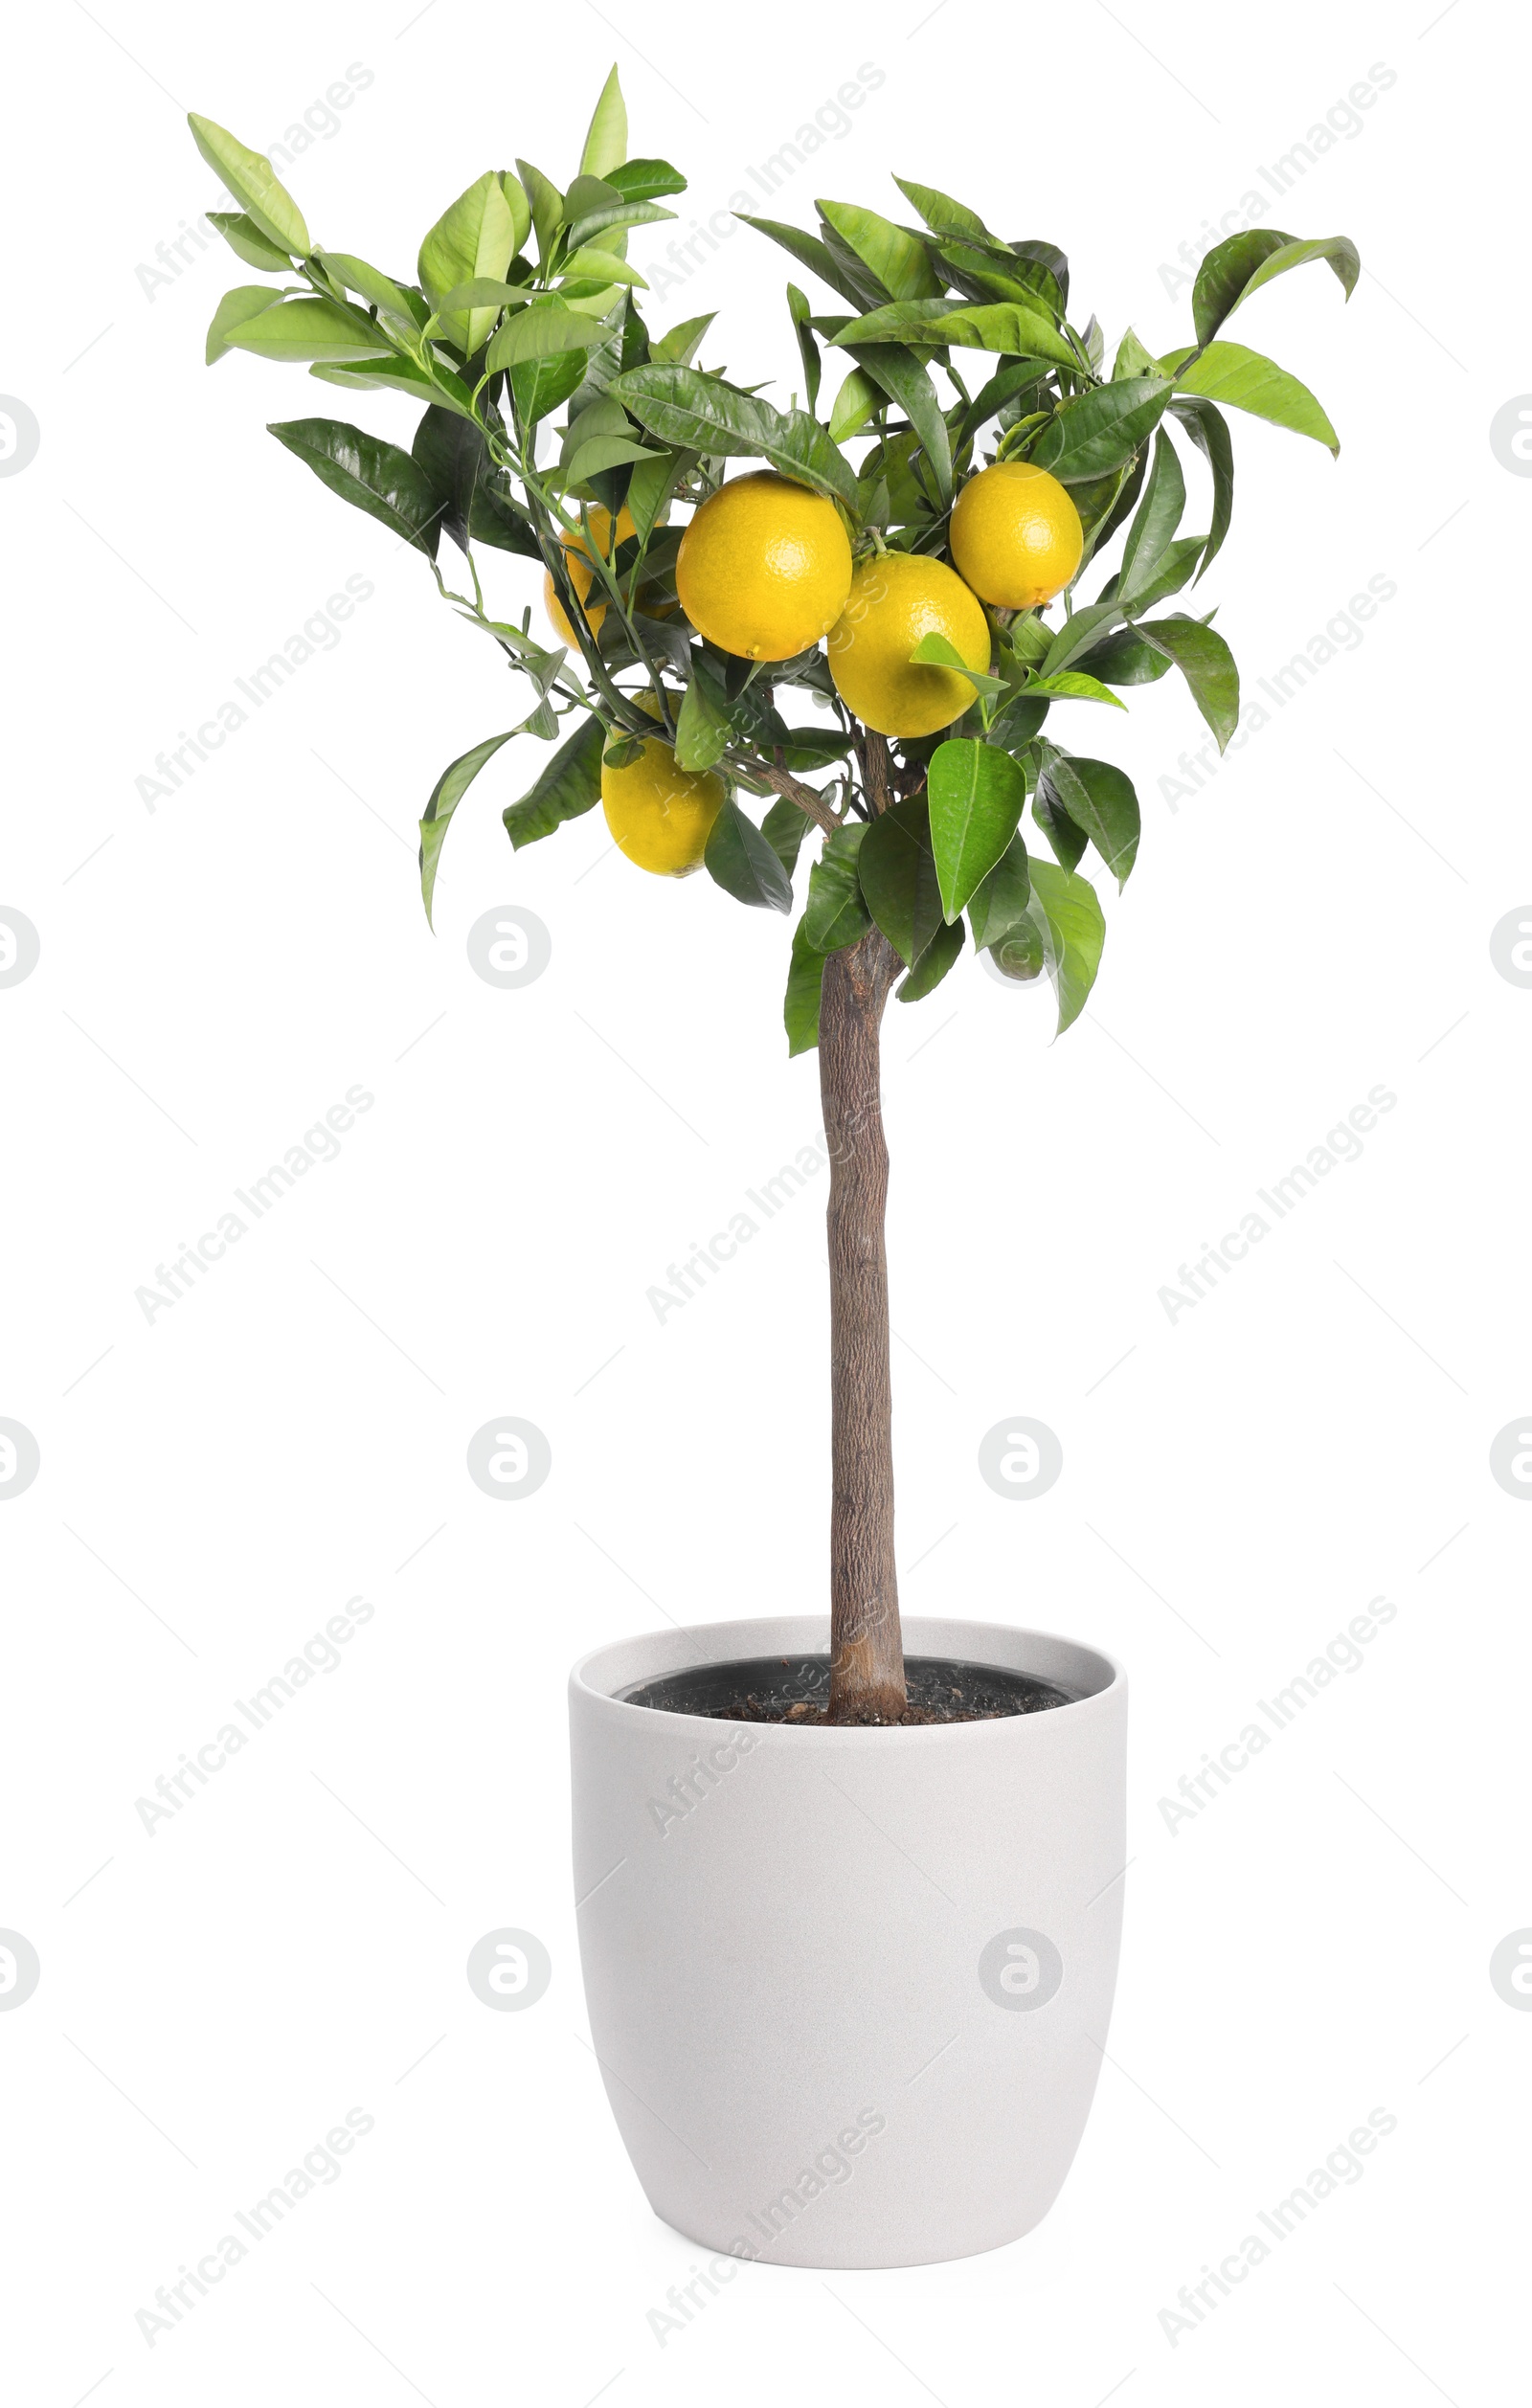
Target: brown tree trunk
{"type": "Point", "coordinates": [866, 1653]}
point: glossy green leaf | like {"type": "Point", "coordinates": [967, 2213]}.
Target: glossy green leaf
{"type": "Point", "coordinates": [1175, 568]}
{"type": "Point", "coordinates": [603, 452]}
{"type": "Point", "coordinates": [244, 303]}
{"type": "Point", "coordinates": [907, 384]}
{"type": "Point", "coordinates": [1208, 429]}
{"type": "Point", "coordinates": [605, 266]}
{"type": "Point", "coordinates": [854, 405]}
{"type": "Point", "coordinates": [1079, 631]}
{"type": "Point", "coordinates": [371, 284]}
{"type": "Point", "coordinates": [1246, 380]}
{"type": "Point", "coordinates": [1100, 428]}
{"type": "Point", "coordinates": [679, 348]}
{"type": "Point", "coordinates": [1159, 515]}
{"type": "Point", "coordinates": [644, 179]}
{"type": "Point", "coordinates": [247, 240]}
{"type": "Point", "coordinates": [808, 351]}
{"type": "Point", "coordinates": [897, 260]}
{"type": "Point", "coordinates": [740, 859]}
{"type": "Point", "coordinates": [898, 877]}
{"type": "Point", "coordinates": [251, 178]}
{"type": "Point", "coordinates": [452, 454]}
{"type": "Point", "coordinates": [941, 212]}
{"type": "Point", "coordinates": [808, 251]}
{"type": "Point", "coordinates": [1068, 917]}
{"type": "Point", "coordinates": [480, 293]}
{"type": "Point", "coordinates": [303, 330]}
{"type": "Point", "coordinates": [1208, 665]}
{"type": "Point", "coordinates": [977, 794]}
{"type": "Point", "coordinates": [389, 372]}
{"type": "Point", "coordinates": [606, 144]}
{"type": "Point", "coordinates": [1075, 685]}
{"type": "Point", "coordinates": [1100, 800]}
{"type": "Point", "coordinates": [1068, 841]}
{"type": "Point", "coordinates": [540, 333]}
{"type": "Point", "coordinates": [1239, 268]}
{"type": "Point", "coordinates": [934, 964]}
{"type": "Point", "coordinates": [372, 475]}
{"type": "Point", "coordinates": [651, 487]}
{"type": "Point", "coordinates": [1000, 902]}
{"type": "Point", "coordinates": [835, 914]}
{"type": "Point", "coordinates": [1020, 953]}
{"type": "Point", "coordinates": [940, 652]}
{"type": "Point", "coordinates": [1132, 360]}
{"type": "Point", "coordinates": [700, 413]}
{"type": "Point", "coordinates": [589, 216]}
{"type": "Point", "coordinates": [568, 785]}
{"type": "Point", "coordinates": [801, 1004]}
{"type": "Point", "coordinates": [540, 386]}
{"type": "Point", "coordinates": [784, 828]}
{"type": "Point", "coordinates": [446, 794]}
{"type": "Point", "coordinates": [475, 237]}
{"type": "Point", "coordinates": [1002, 325]}
{"type": "Point", "coordinates": [1125, 659]}
{"type": "Point", "coordinates": [545, 202]}
{"type": "Point", "coordinates": [702, 727]}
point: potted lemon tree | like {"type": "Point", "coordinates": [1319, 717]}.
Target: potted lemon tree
{"type": "Point", "coordinates": [849, 1916]}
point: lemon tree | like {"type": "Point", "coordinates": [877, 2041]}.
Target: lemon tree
{"type": "Point", "coordinates": [874, 632]}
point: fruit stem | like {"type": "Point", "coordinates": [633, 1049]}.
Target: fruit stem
{"type": "Point", "coordinates": [867, 1650]}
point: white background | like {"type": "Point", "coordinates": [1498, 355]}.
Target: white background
{"type": "Point", "coordinates": [1310, 923]}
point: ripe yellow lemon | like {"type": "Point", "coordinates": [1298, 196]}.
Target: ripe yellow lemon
{"type": "Point", "coordinates": [659, 816]}
{"type": "Point", "coordinates": [764, 568]}
{"type": "Point", "coordinates": [894, 602]}
{"type": "Point", "coordinates": [1016, 536]}
{"type": "Point", "coordinates": [582, 572]}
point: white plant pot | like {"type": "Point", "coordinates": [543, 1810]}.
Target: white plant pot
{"type": "Point", "coordinates": [849, 1989]}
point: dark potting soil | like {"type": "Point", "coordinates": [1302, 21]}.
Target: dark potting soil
{"type": "Point", "coordinates": [797, 1689]}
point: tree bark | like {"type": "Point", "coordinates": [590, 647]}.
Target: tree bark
{"type": "Point", "coordinates": [866, 1653]}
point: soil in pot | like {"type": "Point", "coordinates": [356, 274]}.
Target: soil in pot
{"type": "Point", "coordinates": [796, 1690]}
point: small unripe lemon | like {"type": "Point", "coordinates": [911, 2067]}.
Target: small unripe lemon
{"type": "Point", "coordinates": [582, 571]}
{"type": "Point", "coordinates": [1016, 536]}
{"type": "Point", "coordinates": [896, 601]}
{"type": "Point", "coordinates": [764, 568]}
{"type": "Point", "coordinates": [659, 816]}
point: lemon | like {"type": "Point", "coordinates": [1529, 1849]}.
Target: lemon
{"type": "Point", "coordinates": [764, 568]}
{"type": "Point", "coordinates": [659, 816]}
{"type": "Point", "coordinates": [1016, 536]}
{"type": "Point", "coordinates": [896, 601]}
{"type": "Point", "coordinates": [582, 572]}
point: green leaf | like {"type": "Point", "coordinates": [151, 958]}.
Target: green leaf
{"type": "Point", "coordinates": [606, 144]}
{"type": "Point", "coordinates": [650, 487]}
{"type": "Point", "coordinates": [836, 915]}
{"type": "Point", "coordinates": [1100, 428]}
{"type": "Point", "coordinates": [1246, 380]}
{"type": "Point", "coordinates": [540, 384]}
{"type": "Point", "coordinates": [1067, 918]}
{"type": "Point", "coordinates": [679, 348]}
{"type": "Point", "coordinates": [644, 179]}
{"type": "Point", "coordinates": [1208, 429]}
{"type": "Point", "coordinates": [249, 176]}
{"type": "Point", "coordinates": [702, 727]}
{"type": "Point", "coordinates": [801, 1006]}
{"type": "Point", "coordinates": [1235, 269]}
{"type": "Point", "coordinates": [1000, 902]}
{"type": "Point", "coordinates": [809, 252]}
{"type": "Point", "coordinates": [446, 794]}
{"type": "Point", "coordinates": [934, 651]}
{"type": "Point", "coordinates": [739, 859]}
{"type": "Point", "coordinates": [1125, 659]}
{"type": "Point", "coordinates": [568, 786]}
{"type": "Point", "coordinates": [1132, 360]}
{"type": "Point", "coordinates": [1017, 722]}
{"type": "Point", "coordinates": [808, 351]}
{"type": "Point", "coordinates": [1078, 633]}
{"type": "Point", "coordinates": [235, 309]}
{"type": "Point", "coordinates": [1208, 665]}
{"type": "Point", "coordinates": [306, 330]}
{"type": "Point", "coordinates": [1173, 569]}
{"type": "Point", "coordinates": [588, 216]}
{"type": "Point", "coordinates": [541, 332]}
{"type": "Point", "coordinates": [700, 413]}
{"type": "Point", "coordinates": [452, 454]}
{"type": "Point", "coordinates": [1075, 685]}
{"type": "Point", "coordinates": [1020, 953]}
{"type": "Point", "coordinates": [784, 828]}
{"type": "Point", "coordinates": [1159, 515]}
{"type": "Point", "coordinates": [1100, 800]}
{"type": "Point", "coordinates": [897, 260]}
{"type": "Point", "coordinates": [603, 452]}
{"type": "Point", "coordinates": [977, 794]}
{"type": "Point", "coordinates": [898, 877]}
{"type": "Point", "coordinates": [1068, 841]}
{"type": "Point", "coordinates": [602, 266]}
{"type": "Point", "coordinates": [547, 205]}
{"type": "Point", "coordinates": [475, 237]}
{"type": "Point", "coordinates": [247, 240]}
{"type": "Point", "coordinates": [932, 965]}
{"type": "Point", "coordinates": [941, 213]}
{"type": "Point", "coordinates": [374, 287]}
{"type": "Point", "coordinates": [854, 404]}
{"type": "Point", "coordinates": [388, 371]}
{"type": "Point", "coordinates": [906, 382]}
{"type": "Point", "coordinates": [1003, 325]}
{"type": "Point", "coordinates": [373, 476]}
{"type": "Point", "coordinates": [480, 293]}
